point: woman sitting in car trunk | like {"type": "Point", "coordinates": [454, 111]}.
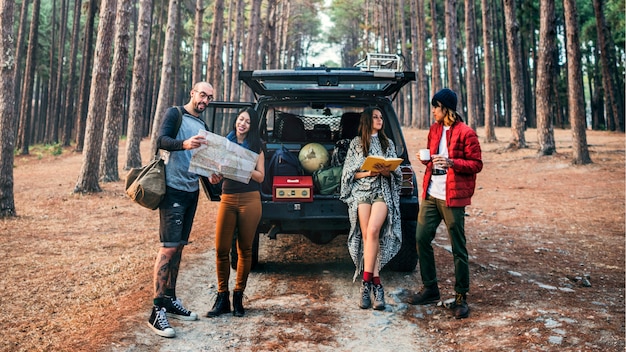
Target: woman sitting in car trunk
{"type": "Point", "coordinates": [373, 205]}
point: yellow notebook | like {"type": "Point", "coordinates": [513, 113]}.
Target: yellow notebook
{"type": "Point", "coordinates": [368, 164]}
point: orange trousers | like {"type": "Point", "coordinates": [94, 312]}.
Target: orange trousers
{"type": "Point", "coordinates": [241, 211]}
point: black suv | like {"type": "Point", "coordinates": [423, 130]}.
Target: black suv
{"type": "Point", "coordinates": [328, 101]}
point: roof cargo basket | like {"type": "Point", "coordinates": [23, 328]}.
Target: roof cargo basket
{"type": "Point", "coordinates": [380, 63]}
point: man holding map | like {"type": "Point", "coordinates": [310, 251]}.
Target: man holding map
{"type": "Point", "coordinates": [178, 136]}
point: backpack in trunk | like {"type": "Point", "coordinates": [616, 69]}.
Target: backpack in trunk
{"type": "Point", "coordinates": [282, 163]}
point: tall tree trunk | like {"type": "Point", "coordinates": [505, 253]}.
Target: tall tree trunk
{"type": "Point", "coordinates": [597, 104]}
{"type": "Point", "coordinates": [470, 76]}
{"type": "Point", "coordinates": [216, 65]}
{"type": "Point", "coordinates": [7, 109]}
{"type": "Point", "coordinates": [422, 99]}
{"type": "Point", "coordinates": [19, 56]}
{"type": "Point", "coordinates": [177, 70]}
{"type": "Point", "coordinates": [196, 70]}
{"type": "Point", "coordinates": [611, 104]}
{"type": "Point", "coordinates": [253, 49]}
{"type": "Point", "coordinates": [406, 108]}
{"type": "Point", "coordinates": [237, 51]}
{"type": "Point", "coordinates": [575, 86]}
{"type": "Point", "coordinates": [503, 87]}
{"type": "Point", "coordinates": [139, 86]}
{"type": "Point", "coordinates": [58, 117]}
{"type": "Point", "coordinates": [37, 116]}
{"type": "Point", "coordinates": [272, 43]}
{"type": "Point", "coordinates": [389, 27]}
{"type": "Point", "coordinates": [165, 96]}
{"type": "Point", "coordinates": [51, 119]}
{"type": "Point", "coordinates": [518, 118]}
{"type": "Point", "coordinates": [157, 63]}
{"type": "Point", "coordinates": [480, 94]}
{"type": "Point", "coordinates": [71, 80]}
{"type": "Point", "coordinates": [115, 98]}
{"type": "Point", "coordinates": [451, 49]}
{"type": "Point", "coordinates": [228, 47]}
{"type": "Point", "coordinates": [39, 119]}
{"type": "Point", "coordinates": [88, 177]}
{"type": "Point", "coordinates": [413, 118]}
{"type": "Point", "coordinates": [29, 77]}
{"type": "Point", "coordinates": [85, 76]}
{"type": "Point", "coordinates": [528, 51]}
{"type": "Point", "coordinates": [545, 78]}
{"type": "Point", "coordinates": [436, 75]}
{"type": "Point", "coordinates": [284, 32]}
{"type": "Point", "coordinates": [490, 116]}
{"type": "Point", "coordinates": [450, 32]}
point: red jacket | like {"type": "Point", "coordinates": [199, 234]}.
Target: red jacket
{"type": "Point", "coordinates": [464, 150]}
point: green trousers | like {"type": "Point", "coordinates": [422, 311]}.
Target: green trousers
{"type": "Point", "coordinates": [432, 211]}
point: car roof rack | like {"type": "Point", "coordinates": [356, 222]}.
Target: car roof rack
{"type": "Point", "coordinates": [378, 62]}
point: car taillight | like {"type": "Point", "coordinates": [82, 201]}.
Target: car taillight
{"type": "Point", "coordinates": [407, 186]}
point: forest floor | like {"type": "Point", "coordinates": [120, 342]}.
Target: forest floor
{"type": "Point", "coordinates": [546, 242]}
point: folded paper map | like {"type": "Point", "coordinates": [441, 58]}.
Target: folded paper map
{"type": "Point", "coordinates": [221, 156]}
{"type": "Point", "coordinates": [370, 161]}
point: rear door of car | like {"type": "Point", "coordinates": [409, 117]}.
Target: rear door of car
{"type": "Point", "coordinates": [310, 82]}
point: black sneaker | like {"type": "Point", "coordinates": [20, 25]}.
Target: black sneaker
{"type": "Point", "coordinates": [460, 307]}
{"type": "Point", "coordinates": [175, 310]}
{"type": "Point", "coordinates": [379, 297]}
{"type": "Point", "coordinates": [427, 295]}
{"type": "Point", "coordinates": [159, 324]}
{"type": "Point", "coordinates": [366, 299]}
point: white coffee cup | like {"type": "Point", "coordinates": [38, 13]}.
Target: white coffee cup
{"type": "Point", "coordinates": [424, 154]}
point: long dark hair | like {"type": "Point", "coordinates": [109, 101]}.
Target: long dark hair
{"type": "Point", "coordinates": [365, 130]}
{"type": "Point", "coordinates": [252, 137]}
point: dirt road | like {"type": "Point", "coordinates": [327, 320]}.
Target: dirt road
{"type": "Point", "coordinates": [546, 240]}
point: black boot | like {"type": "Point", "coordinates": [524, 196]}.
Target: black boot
{"type": "Point", "coordinates": [221, 306]}
{"type": "Point", "coordinates": [427, 295]}
{"type": "Point", "coordinates": [461, 309]}
{"type": "Point", "coordinates": [238, 310]}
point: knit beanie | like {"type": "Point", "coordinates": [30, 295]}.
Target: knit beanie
{"type": "Point", "coordinates": [446, 97]}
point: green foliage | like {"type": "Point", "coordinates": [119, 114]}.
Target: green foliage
{"type": "Point", "coordinates": [304, 26]}
{"type": "Point", "coordinates": [42, 150]}
{"type": "Point", "coordinates": [343, 15]}
{"type": "Point", "coordinates": [588, 22]}
{"type": "Point", "coordinates": [615, 18]}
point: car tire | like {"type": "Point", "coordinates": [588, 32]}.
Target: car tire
{"type": "Point", "coordinates": [406, 259]}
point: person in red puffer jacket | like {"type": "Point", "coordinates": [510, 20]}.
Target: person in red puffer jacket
{"type": "Point", "coordinates": [449, 183]}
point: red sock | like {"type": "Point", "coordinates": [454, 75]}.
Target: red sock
{"type": "Point", "coordinates": [376, 280]}
{"type": "Point", "coordinates": [367, 277]}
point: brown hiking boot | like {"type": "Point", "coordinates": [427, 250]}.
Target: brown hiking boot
{"type": "Point", "coordinates": [460, 307]}
{"type": "Point", "coordinates": [427, 295]}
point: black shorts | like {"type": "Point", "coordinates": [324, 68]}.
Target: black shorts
{"type": "Point", "coordinates": [177, 210]}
